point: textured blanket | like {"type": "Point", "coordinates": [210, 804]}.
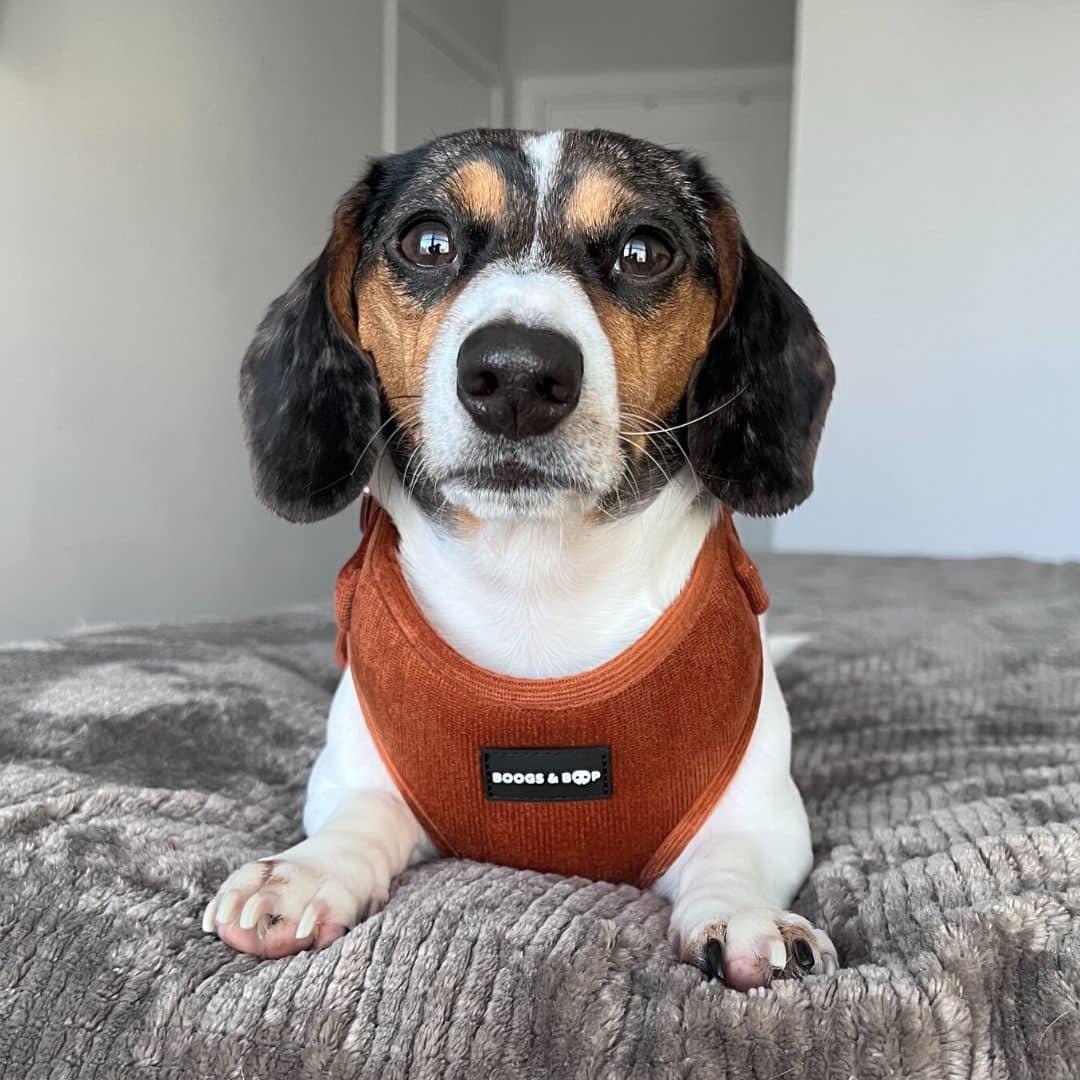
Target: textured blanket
{"type": "Point", "coordinates": [935, 716]}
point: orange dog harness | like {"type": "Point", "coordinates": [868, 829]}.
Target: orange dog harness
{"type": "Point", "coordinates": [606, 774]}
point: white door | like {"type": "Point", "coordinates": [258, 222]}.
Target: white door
{"type": "Point", "coordinates": [738, 120]}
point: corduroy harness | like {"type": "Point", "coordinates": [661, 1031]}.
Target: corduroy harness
{"type": "Point", "coordinates": [607, 774]}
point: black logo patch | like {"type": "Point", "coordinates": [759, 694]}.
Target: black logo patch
{"type": "Point", "coordinates": [546, 773]}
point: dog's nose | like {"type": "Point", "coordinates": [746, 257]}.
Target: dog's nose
{"type": "Point", "coordinates": [518, 380]}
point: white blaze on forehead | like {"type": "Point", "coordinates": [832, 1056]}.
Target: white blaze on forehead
{"type": "Point", "coordinates": [543, 153]}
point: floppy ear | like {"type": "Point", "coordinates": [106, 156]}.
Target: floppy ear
{"type": "Point", "coordinates": [307, 391]}
{"type": "Point", "coordinates": [757, 401]}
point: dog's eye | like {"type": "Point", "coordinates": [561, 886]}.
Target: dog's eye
{"type": "Point", "coordinates": [428, 243]}
{"type": "Point", "coordinates": [644, 255]}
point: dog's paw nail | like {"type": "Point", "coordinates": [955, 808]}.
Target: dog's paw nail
{"type": "Point", "coordinates": [306, 926]}
{"type": "Point", "coordinates": [712, 959]}
{"type": "Point", "coordinates": [254, 910]}
{"type": "Point", "coordinates": [228, 907]}
{"type": "Point", "coordinates": [802, 954]}
{"type": "Point", "coordinates": [777, 954]}
{"type": "Point", "coordinates": [208, 919]}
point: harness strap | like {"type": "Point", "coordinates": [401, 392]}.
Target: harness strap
{"type": "Point", "coordinates": [745, 570]}
{"type": "Point", "coordinates": [345, 587]}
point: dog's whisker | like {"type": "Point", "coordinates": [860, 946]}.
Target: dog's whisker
{"type": "Point", "coordinates": [388, 445]}
{"type": "Point", "coordinates": [697, 419]}
{"type": "Point", "coordinates": [626, 473]}
{"type": "Point", "coordinates": [360, 457]}
{"type": "Point", "coordinates": [665, 441]}
{"type": "Point", "coordinates": [420, 471]}
{"type": "Point", "coordinates": [356, 464]}
{"type": "Point", "coordinates": [666, 475]}
{"type": "Point", "coordinates": [668, 438]}
{"type": "Point", "coordinates": [408, 465]}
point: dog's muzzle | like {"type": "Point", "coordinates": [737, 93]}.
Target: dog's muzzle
{"type": "Point", "coordinates": [516, 381]}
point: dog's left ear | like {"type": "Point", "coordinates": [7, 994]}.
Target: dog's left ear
{"type": "Point", "coordinates": [757, 400]}
{"type": "Point", "coordinates": [307, 391]}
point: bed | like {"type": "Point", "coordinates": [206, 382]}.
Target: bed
{"type": "Point", "coordinates": [935, 713]}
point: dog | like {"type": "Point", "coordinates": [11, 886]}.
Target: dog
{"type": "Point", "coordinates": [556, 366]}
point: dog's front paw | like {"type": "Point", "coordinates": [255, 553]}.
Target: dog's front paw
{"type": "Point", "coordinates": [277, 907]}
{"type": "Point", "coordinates": [757, 945]}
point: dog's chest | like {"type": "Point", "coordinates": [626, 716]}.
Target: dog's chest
{"type": "Point", "coordinates": [540, 602]}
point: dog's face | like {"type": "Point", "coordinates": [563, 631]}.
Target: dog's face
{"type": "Point", "coordinates": [531, 325]}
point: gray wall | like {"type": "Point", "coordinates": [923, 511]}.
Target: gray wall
{"type": "Point", "coordinates": [933, 230]}
{"type": "Point", "coordinates": [167, 169]}
{"type": "Point", "coordinates": [548, 37]}
{"type": "Point", "coordinates": [450, 57]}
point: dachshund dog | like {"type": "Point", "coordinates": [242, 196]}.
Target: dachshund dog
{"type": "Point", "coordinates": [556, 366]}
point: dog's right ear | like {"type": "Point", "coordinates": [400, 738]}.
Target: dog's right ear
{"type": "Point", "coordinates": [308, 392]}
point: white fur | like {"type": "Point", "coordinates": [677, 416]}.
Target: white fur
{"type": "Point", "coordinates": [544, 598]}
{"type": "Point", "coordinates": [540, 598]}
{"type": "Point", "coordinates": [543, 153]}
{"type": "Point", "coordinates": [587, 449]}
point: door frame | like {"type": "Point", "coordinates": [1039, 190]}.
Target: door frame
{"type": "Point", "coordinates": [441, 33]}
{"type": "Point", "coordinates": [534, 95]}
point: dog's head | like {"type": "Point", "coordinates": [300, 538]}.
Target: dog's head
{"type": "Point", "coordinates": [533, 323]}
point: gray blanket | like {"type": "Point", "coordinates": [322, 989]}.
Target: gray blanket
{"type": "Point", "coordinates": [935, 714]}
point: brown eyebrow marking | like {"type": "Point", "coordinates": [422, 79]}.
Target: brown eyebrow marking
{"type": "Point", "coordinates": [479, 188]}
{"type": "Point", "coordinates": [596, 201]}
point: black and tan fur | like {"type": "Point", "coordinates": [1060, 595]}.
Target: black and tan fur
{"type": "Point", "coordinates": [718, 348]}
